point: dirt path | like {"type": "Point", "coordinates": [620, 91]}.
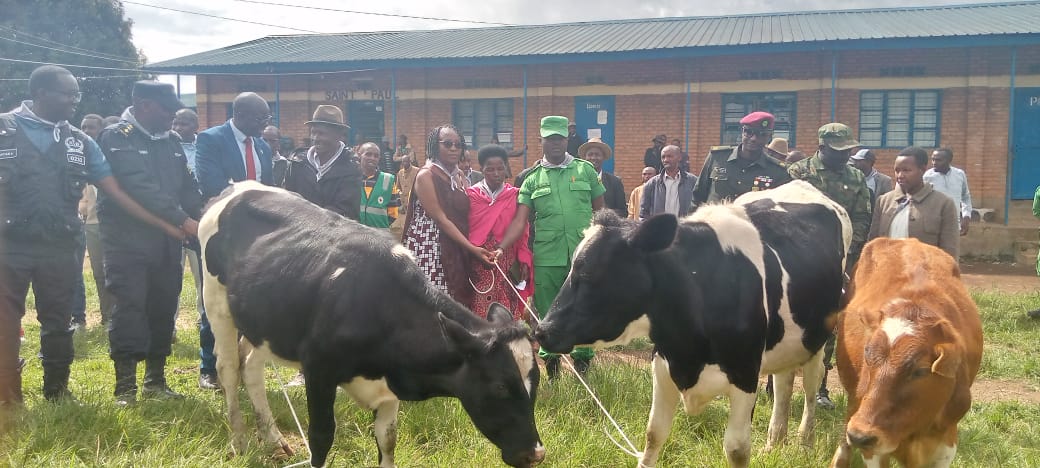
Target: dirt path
{"type": "Point", "coordinates": [1007, 277]}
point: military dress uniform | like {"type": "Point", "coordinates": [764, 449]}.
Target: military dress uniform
{"type": "Point", "coordinates": [43, 169]}
{"type": "Point", "coordinates": [725, 176]}
{"type": "Point", "coordinates": [143, 267]}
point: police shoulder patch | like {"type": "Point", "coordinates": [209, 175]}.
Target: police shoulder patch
{"type": "Point", "coordinates": [124, 127]}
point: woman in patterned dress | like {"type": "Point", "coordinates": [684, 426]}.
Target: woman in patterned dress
{"type": "Point", "coordinates": [492, 206]}
{"type": "Point", "coordinates": [438, 217]}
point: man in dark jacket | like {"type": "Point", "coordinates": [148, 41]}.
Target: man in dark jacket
{"type": "Point", "coordinates": [327, 174]}
{"type": "Point", "coordinates": [670, 191]}
{"type": "Point", "coordinates": [574, 141]}
{"type": "Point", "coordinates": [143, 264]}
{"type": "Point", "coordinates": [596, 151]}
{"type": "Point", "coordinates": [652, 157]}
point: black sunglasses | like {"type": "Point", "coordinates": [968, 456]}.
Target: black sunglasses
{"type": "Point", "coordinates": [452, 144]}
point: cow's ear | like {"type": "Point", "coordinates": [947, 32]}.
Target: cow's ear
{"type": "Point", "coordinates": [499, 315]}
{"type": "Point", "coordinates": [465, 340]}
{"type": "Point", "coordinates": [948, 362]}
{"type": "Point", "coordinates": [948, 351]}
{"type": "Point", "coordinates": [656, 233]}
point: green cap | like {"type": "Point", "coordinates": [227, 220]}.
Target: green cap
{"type": "Point", "coordinates": [554, 125]}
{"type": "Point", "coordinates": [837, 136]}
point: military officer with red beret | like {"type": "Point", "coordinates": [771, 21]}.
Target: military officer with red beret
{"type": "Point", "coordinates": [730, 171]}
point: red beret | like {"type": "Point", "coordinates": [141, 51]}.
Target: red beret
{"type": "Point", "coordinates": [758, 120]}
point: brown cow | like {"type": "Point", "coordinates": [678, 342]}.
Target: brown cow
{"type": "Point", "coordinates": [909, 346]}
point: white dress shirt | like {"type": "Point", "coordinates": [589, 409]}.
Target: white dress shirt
{"type": "Point", "coordinates": [954, 184]}
{"type": "Point", "coordinates": [671, 193]}
{"type": "Point", "coordinates": [241, 139]}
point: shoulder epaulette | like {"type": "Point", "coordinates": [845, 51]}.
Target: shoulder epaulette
{"type": "Point", "coordinates": [124, 127]}
{"type": "Point", "coordinates": [776, 161]}
{"type": "Point", "coordinates": [8, 127]}
{"type": "Point", "coordinates": [721, 148]}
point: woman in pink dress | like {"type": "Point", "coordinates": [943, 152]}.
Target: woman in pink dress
{"type": "Point", "coordinates": [492, 205]}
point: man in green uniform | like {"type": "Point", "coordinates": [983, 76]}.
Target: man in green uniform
{"type": "Point", "coordinates": [733, 171]}
{"type": "Point", "coordinates": [562, 192]}
{"type": "Point", "coordinates": [828, 171]}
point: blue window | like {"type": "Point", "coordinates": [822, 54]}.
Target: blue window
{"type": "Point", "coordinates": [736, 106]}
{"type": "Point", "coordinates": [897, 119]}
{"type": "Point", "coordinates": [481, 119]}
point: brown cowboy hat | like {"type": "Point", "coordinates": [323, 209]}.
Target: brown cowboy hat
{"type": "Point", "coordinates": [779, 145]}
{"type": "Point", "coordinates": [595, 143]}
{"type": "Point", "coordinates": [328, 115]}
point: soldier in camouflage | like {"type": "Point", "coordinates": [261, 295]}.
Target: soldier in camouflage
{"type": "Point", "coordinates": [828, 171]}
{"type": "Point", "coordinates": [731, 171]}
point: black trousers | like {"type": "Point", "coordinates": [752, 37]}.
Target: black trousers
{"type": "Point", "coordinates": [144, 288]}
{"type": "Point", "coordinates": [52, 272]}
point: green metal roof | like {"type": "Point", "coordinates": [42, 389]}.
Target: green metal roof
{"type": "Point", "coordinates": [940, 26]}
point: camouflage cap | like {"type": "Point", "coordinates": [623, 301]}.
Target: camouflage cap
{"type": "Point", "coordinates": [837, 136]}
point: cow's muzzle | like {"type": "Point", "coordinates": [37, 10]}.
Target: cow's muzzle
{"type": "Point", "coordinates": [861, 440]}
{"type": "Point", "coordinates": [551, 340]}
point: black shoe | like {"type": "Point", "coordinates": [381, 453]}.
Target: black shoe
{"type": "Point", "coordinates": [582, 366]}
{"type": "Point", "coordinates": [208, 382]}
{"type": "Point", "coordinates": [1033, 314]}
{"type": "Point", "coordinates": [62, 395]}
{"type": "Point", "coordinates": [159, 392]}
{"type": "Point", "coordinates": [126, 382]}
{"type": "Point", "coordinates": [824, 401]}
{"type": "Point", "coordinates": [552, 367]}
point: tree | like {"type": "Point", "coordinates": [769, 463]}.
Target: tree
{"type": "Point", "coordinates": [74, 32]}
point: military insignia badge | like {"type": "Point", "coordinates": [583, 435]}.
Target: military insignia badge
{"type": "Point", "coordinates": [9, 153]}
{"type": "Point", "coordinates": [379, 200]}
{"type": "Point", "coordinates": [719, 173]}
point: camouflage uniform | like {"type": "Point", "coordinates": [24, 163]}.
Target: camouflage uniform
{"type": "Point", "coordinates": [847, 187]}
{"type": "Point", "coordinates": [725, 176]}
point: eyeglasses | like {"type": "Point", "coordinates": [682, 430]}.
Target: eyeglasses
{"type": "Point", "coordinates": [756, 131]}
{"type": "Point", "coordinates": [73, 95]}
{"type": "Point", "coordinates": [452, 144]}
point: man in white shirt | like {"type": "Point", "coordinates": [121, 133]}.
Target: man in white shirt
{"type": "Point", "coordinates": [951, 181]}
{"type": "Point", "coordinates": [671, 191]}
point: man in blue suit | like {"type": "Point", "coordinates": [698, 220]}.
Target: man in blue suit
{"type": "Point", "coordinates": [234, 151]}
{"type": "Point", "coordinates": [228, 153]}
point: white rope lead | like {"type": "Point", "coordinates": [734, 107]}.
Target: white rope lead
{"type": "Point", "coordinates": [631, 449]}
{"type": "Point", "coordinates": [303, 435]}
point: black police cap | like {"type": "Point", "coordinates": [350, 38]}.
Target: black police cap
{"type": "Point", "coordinates": [162, 93]}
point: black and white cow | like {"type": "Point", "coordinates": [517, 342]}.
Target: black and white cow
{"type": "Point", "coordinates": [730, 292]}
{"type": "Point", "coordinates": [349, 306]}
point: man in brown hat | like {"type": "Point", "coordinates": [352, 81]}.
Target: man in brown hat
{"type": "Point", "coordinates": [326, 174]}
{"type": "Point", "coordinates": [596, 151]}
{"type": "Point", "coordinates": [778, 149]}
{"type": "Point", "coordinates": [652, 157]}
{"type": "Point", "coordinates": [731, 171]}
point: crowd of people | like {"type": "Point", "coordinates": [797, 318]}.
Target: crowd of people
{"type": "Point", "coordinates": [137, 186]}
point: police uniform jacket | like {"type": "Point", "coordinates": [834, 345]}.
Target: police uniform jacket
{"type": "Point", "coordinates": [725, 176]}
{"type": "Point", "coordinates": [40, 189]}
{"type": "Point", "coordinates": [154, 172]}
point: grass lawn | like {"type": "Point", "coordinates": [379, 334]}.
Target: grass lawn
{"type": "Point", "coordinates": [437, 433]}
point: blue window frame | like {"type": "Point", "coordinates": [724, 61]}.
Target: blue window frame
{"type": "Point", "coordinates": [736, 106]}
{"type": "Point", "coordinates": [897, 119]}
{"type": "Point", "coordinates": [481, 119]}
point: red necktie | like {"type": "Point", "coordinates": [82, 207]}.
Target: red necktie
{"type": "Point", "coordinates": [250, 165]}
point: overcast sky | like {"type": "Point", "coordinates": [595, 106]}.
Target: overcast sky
{"type": "Point", "coordinates": [164, 34]}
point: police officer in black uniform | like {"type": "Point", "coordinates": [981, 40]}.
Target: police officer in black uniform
{"type": "Point", "coordinates": [143, 267]}
{"type": "Point", "coordinates": [44, 164]}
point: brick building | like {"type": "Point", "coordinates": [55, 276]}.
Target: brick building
{"type": "Point", "coordinates": [964, 77]}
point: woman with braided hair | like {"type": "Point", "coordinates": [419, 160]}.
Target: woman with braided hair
{"type": "Point", "coordinates": [438, 216]}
